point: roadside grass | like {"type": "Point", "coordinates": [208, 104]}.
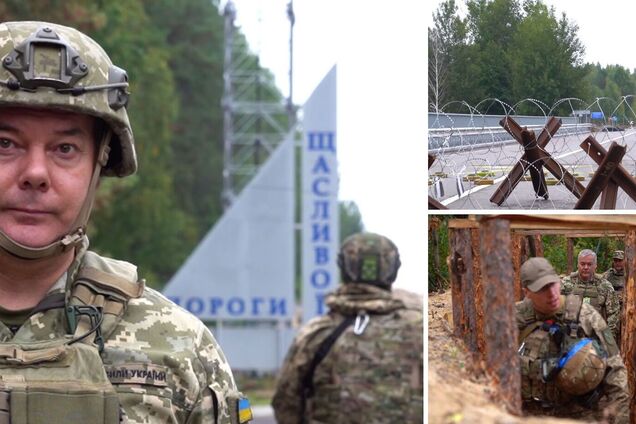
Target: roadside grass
{"type": "Point", "coordinates": [258, 387]}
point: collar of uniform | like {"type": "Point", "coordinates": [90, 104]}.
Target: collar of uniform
{"type": "Point", "coordinates": [59, 285]}
{"type": "Point", "coordinates": [350, 298]}
{"type": "Point", "coordinates": [72, 270]}
{"type": "Point", "coordinates": [590, 281]}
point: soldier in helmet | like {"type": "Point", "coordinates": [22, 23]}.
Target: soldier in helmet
{"type": "Point", "coordinates": [362, 362]}
{"type": "Point", "coordinates": [570, 364]}
{"type": "Point", "coordinates": [616, 274]}
{"type": "Point", "coordinates": [81, 337]}
{"type": "Point", "coordinates": [594, 289]}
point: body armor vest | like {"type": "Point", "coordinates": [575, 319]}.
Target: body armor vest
{"type": "Point", "coordinates": [385, 354]}
{"type": "Point", "coordinates": [589, 293]}
{"type": "Point", "coordinates": [51, 370]}
{"type": "Point", "coordinates": [541, 345]}
{"type": "Point", "coordinates": [617, 279]}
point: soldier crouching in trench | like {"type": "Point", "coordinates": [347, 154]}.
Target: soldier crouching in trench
{"type": "Point", "coordinates": [570, 364]}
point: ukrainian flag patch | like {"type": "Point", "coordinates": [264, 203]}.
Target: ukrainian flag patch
{"type": "Point", "coordinates": [244, 410]}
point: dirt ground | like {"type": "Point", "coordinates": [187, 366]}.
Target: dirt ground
{"type": "Point", "coordinates": [457, 391]}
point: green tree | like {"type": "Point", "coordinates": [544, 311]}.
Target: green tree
{"type": "Point", "coordinates": [136, 218]}
{"type": "Point", "coordinates": [438, 251]}
{"type": "Point", "coordinates": [555, 250]}
{"type": "Point", "coordinates": [491, 27]}
{"type": "Point", "coordinates": [507, 50]}
{"type": "Point", "coordinates": [545, 59]}
{"type": "Point", "coordinates": [195, 57]}
{"type": "Point", "coordinates": [445, 51]}
{"type": "Point", "coordinates": [350, 219]}
{"type": "Point", "coordinates": [595, 77]}
{"type": "Point", "coordinates": [157, 236]}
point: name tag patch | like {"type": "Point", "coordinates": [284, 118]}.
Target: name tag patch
{"type": "Point", "coordinates": [150, 374]}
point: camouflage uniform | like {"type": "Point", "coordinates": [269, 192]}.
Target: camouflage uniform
{"type": "Point", "coordinates": [616, 278]}
{"type": "Point", "coordinates": [375, 377]}
{"type": "Point", "coordinates": [99, 347]}
{"type": "Point", "coordinates": [373, 373]}
{"type": "Point", "coordinates": [536, 343]}
{"type": "Point", "coordinates": [599, 293]}
{"type": "Point", "coordinates": [164, 364]}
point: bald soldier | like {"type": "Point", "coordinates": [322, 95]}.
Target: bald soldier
{"type": "Point", "coordinates": [82, 339]}
{"type": "Point", "coordinates": [570, 364]}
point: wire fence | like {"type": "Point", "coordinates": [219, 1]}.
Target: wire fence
{"type": "Point", "coordinates": [530, 156]}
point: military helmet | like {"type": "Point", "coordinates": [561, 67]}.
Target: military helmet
{"type": "Point", "coordinates": [582, 368]}
{"type": "Point", "coordinates": [46, 65]}
{"type": "Point", "coordinates": [50, 66]}
{"type": "Point", "coordinates": [369, 258]}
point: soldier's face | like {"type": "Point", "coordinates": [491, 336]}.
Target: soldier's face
{"type": "Point", "coordinates": [46, 163]}
{"type": "Point", "coordinates": [548, 299]}
{"type": "Point", "coordinates": [587, 266]}
{"type": "Point", "coordinates": [619, 264]}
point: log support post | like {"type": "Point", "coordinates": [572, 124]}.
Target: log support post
{"type": "Point", "coordinates": [499, 328]}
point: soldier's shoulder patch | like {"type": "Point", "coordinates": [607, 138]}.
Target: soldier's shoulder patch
{"type": "Point", "coordinates": [240, 409]}
{"type": "Point", "coordinates": [244, 410]}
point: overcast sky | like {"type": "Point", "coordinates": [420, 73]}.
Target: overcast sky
{"type": "Point", "coordinates": [379, 47]}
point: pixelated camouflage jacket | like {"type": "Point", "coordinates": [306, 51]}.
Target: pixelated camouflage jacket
{"type": "Point", "coordinates": [373, 377]}
{"type": "Point", "coordinates": [164, 364]}
{"type": "Point", "coordinates": [545, 398]}
{"type": "Point", "coordinates": [599, 293]}
{"type": "Point", "coordinates": [616, 278]}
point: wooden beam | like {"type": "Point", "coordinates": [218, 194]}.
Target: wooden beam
{"type": "Point", "coordinates": [476, 295]}
{"type": "Point", "coordinates": [561, 174]}
{"type": "Point", "coordinates": [609, 195]}
{"type": "Point", "coordinates": [461, 265]}
{"type": "Point", "coordinates": [570, 255]}
{"type": "Point", "coordinates": [570, 233]}
{"type": "Point", "coordinates": [500, 329]}
{"type": "Point", "coordinates": [628, 319]}
{"type": "Point", "coordinates": [602, 176]}
{"type": "Point", "coordinates": [462, 223]}
{"type": "Point", "coordinates": [435, 204]}
{"type": "Point", "coordinates": [622, 178]}
{"type": "Point", "coordinates": [575, 223]}
{"type": "Point", "coordinates": [519, 169]}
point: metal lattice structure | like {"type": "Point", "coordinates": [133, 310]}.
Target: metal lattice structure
{"type": "Point", "coordinates": [255, 116]}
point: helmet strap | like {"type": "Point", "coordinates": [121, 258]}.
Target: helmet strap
{"type": "Point", "coordinates": [75, 237]}
{"type": "Point", "coordinates": [102, 158]}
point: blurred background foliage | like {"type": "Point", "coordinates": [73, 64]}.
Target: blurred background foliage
{"type": "Point", "coordinates": [173, 53]}
{"type": "Point", "coordinates": [554, 248]}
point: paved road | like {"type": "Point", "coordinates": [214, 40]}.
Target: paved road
{"type": "Point", "coordinates": [500, 159]}
{"type": "Point", "coordinates": [263, 415]}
